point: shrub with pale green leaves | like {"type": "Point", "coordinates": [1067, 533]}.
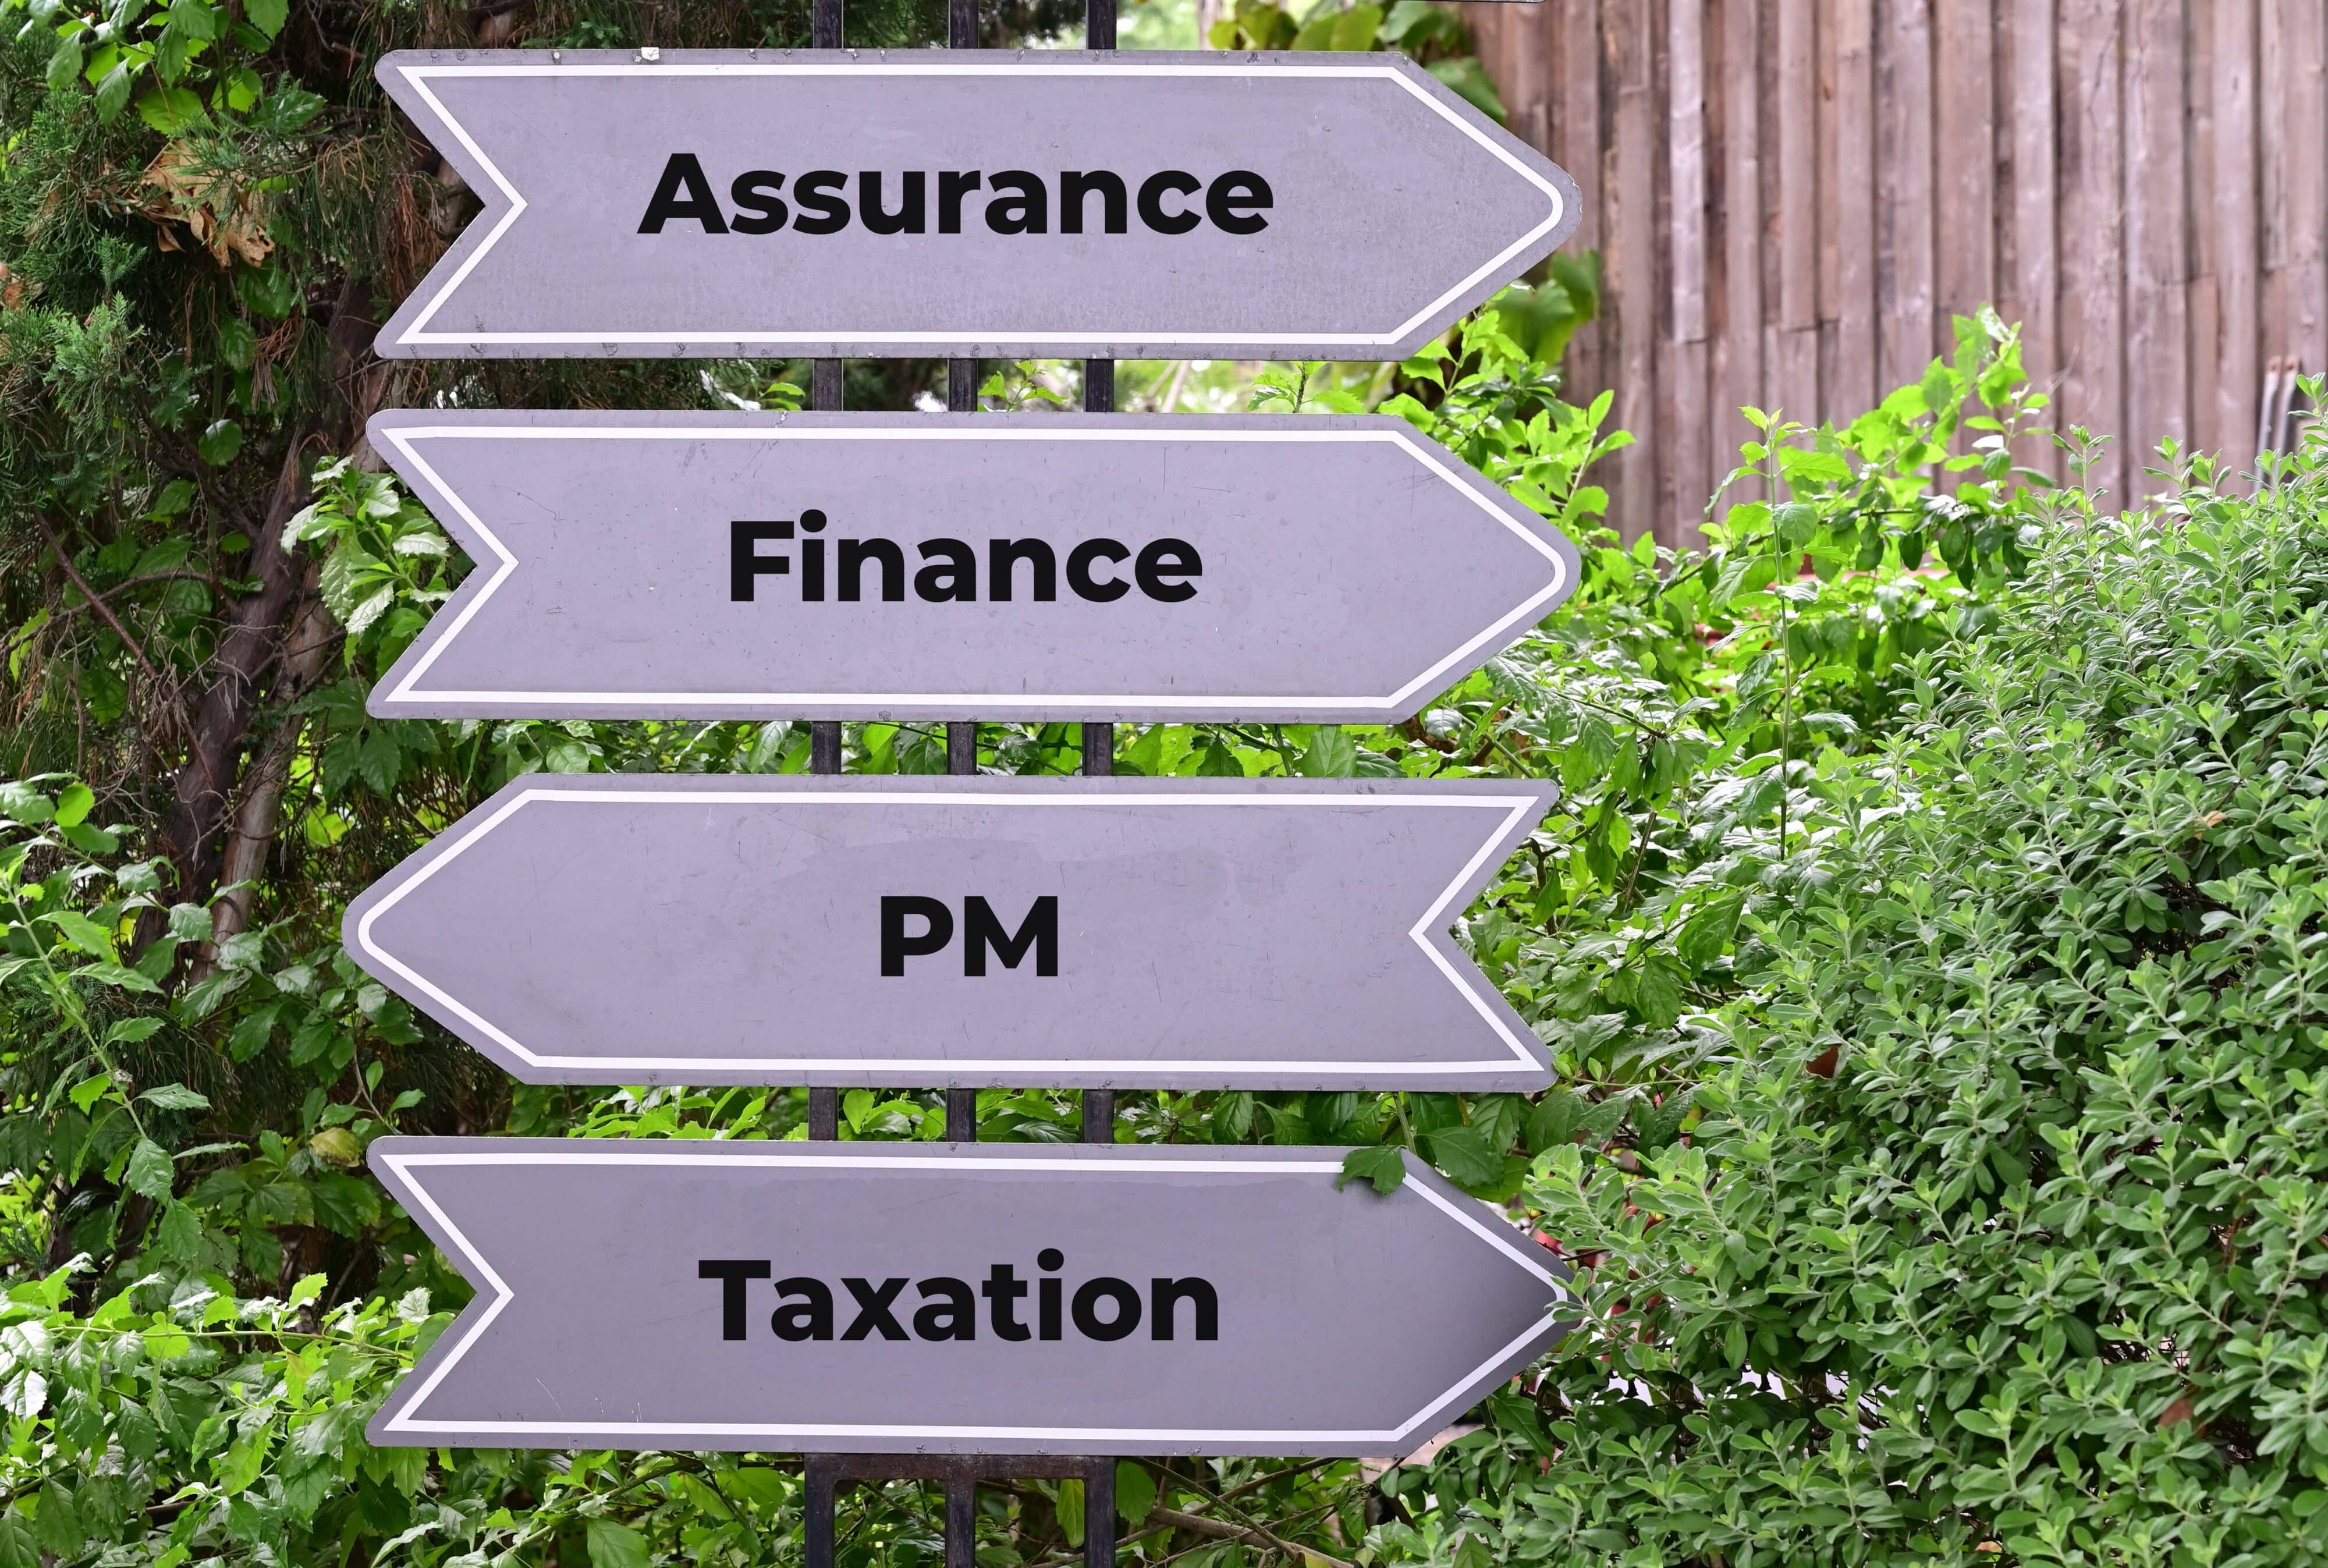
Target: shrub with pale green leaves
{"type": "Point", "coordinates": [2001, 1235]}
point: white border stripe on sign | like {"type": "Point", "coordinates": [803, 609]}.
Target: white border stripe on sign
{"type": "Point", "coordinates": [1515, 809]}
{"type": "Point", "coordinates": [409, 689]}
{"type": "Point", "coordinates": [403, 1421]}
{"type": "Point", "coordinates": [419, 75]}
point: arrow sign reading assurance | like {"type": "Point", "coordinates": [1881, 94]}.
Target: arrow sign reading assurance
{"type": "Point", "coordinates": [953, 1299]}
{"type": "Point", "coordinates": [915, 566]}
{"type": "Point", "coordinates": [1260, 932]}
{"type": "Point", "coordinates": [960, 202]}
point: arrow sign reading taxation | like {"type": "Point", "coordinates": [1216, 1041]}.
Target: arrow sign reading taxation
{"type": "Point", "coordinates": [953, 1299]}
{"type": "Point", "coordinates": [722, 202]}
{"type": "Point", "coordinates": [915, 566]}
{"type": "Point", "coordinates": [1260, 933]}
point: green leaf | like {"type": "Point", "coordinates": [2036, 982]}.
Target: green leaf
{"type": "Point", "coordinates": [175, 1097]}
{"type": "Point", "coordinates": [149, 1170]}
{"type": "Point", "coordinates": [73, 805]}
{"type": "Point", "coordinates": [219, 444]}
{"type": "Point", "coordinates": [1464, 1155]}
{"type": "Point", "coordinates": [82, 932]}
{"type": "Point", "coordinates": [64, 65]}
{"type": "Point", "coordinates": [614, 1545]}
{"type": "Point", "coordinates": [1332, 753]}
{"type": "Point", "coordinates": [267, 15]}
{"type": "Point", "coordinates": [119, 976]}
{"type": "Point", "coordinates": [1382, 1164]}
{"type": "Point", "coordinates": [89, 1090]}
{"type": "Point", "coordinates": [1135, 1491]}
{"type": "Point", "coordinates": [171, 110]}
{"type": "Point", "coordinates": [113, 91]}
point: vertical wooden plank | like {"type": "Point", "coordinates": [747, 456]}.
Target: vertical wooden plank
{"type": "Point", "coordinates": [2157, 236]}
{"type": "Point", "coordinates": [1632, 262]}
{"type": "Point", "coordinates": [1525, 85]}
{"type": "Point", "coordinates": [1793, 371]}
{"type": "Point", "coordinates": [1852, 388]}
{"type": "Point", "coordinates": [2205, 335]}
{"type": "Point", "coordinates": [1743, 380]}
{"type": "Point", "coordinates": [2300, 53]}
{"type": "Point", "coordinates": [1964, 141]}
{"type": "Point", "coordinates": [2032, 283]}
{"type": "Point", "coordinates": [1905, 264]}
{"type": "Point", "coordinates": [1575, 138]}
{"type": "Point", "coordinates": [2092, 233]}
{"type": "Point", "coordinates": [2228, 214]}
{"type": "Point", "coordinates": [1686, 238]}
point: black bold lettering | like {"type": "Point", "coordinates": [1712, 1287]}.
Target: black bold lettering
{"type": "Point", "coordinates": [1153, 191]}
{"type": "Point", "coordinates": [1169, 557]}
{"type": "Point", "coordinates": [680, 174]}
{"type": "Point", "coordinates": [982, 930]}
{"type": "Point", "coordinates": [812, 556]}
{"type": "Point", "coordinates": [1163, 1293]}
{"type": "Point", "coordinates": [954, 1318]}
{"type": "Point", "coordinates": [897, 947]}
{"type": "Point", "coordinates": [818, 192]}
{"type": "Point", "coordinates": [1026, 211]}
{"type": "Point", "coordinates": [953, 580]}
{"type": "Point", "coordinates": [1003, 1290]}
{"type": "Point", "coordinates": [810, 1318]}
{"type": "Point", "coordinates": [731, 1274]}
{"type": "Point", "coordinates": [1079, 570]}
{"type": "Point", "coordinates": [1233, 196]}
{"type": "Point", "coordinates": [1125, 1319]}
{"type": "Point", "coordinates": [873, 1308]}
{"type": "Point", "coordinates": [744, 560]}
{"type": "Point", "coordinates": [953, 185]}
{"type": "Point", "coordinates": [1002, 554]}
{"type": "Point", "coordinates": [908, 219]}
{"type": "Point", "coordinates": [1075, 185]}
{"type": "Point", "coordinates": [1046, 1294]}
{"type": "Point", "coordinates": [754, 192]}
{"type": "Point", "coordinates": [856, 552]}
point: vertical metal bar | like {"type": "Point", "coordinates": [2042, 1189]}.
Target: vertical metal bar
{"type": "Point", "coordinates": [962, 24]}
{"type": "Point", "coordinates": [1099, 761]}
{"type": "Point", "coordinates": [962, 1115]}
{"type": "Point", "coordinates": [1099, 1511]}
{"type": "Point", "coordinates": [816, 1510]}
{"type": "Point", "coordinates": [962, 749]}
{"type": "Point", "coordinates": [961, 398]}
{"type": "Point", "coordinates": [824, 25]}
{"type": "Point", "coordinates": [961, 1518]}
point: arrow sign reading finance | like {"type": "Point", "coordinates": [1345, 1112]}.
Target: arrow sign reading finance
{"type": "Point", "coordinates": [917, 566]}
{"type": "Point", "coordinates": [1257, 932]}
{"type": "Point", "coordinates": [953, 1299]}
{"type": "Point", "coordinates": [960, 203]}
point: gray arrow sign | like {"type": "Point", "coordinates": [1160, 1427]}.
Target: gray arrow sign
{"type": "Point", "coordinates": [1262, 933]}
{"type": "Point", "coordinates": [960, 203]}
{"type": "Point", "coordinates": [743, 565]}
{"type": "Point", "coordinates": [667, 1295]}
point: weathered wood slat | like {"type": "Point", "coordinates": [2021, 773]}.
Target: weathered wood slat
{"type": "Point", "coordinates": [1851, 383]}
{"type": "Point", "coordinates": [2229, 221]}
{"type": "Point", "coordinates": [1904, 274]}
{"type": "Point", "coordinates": [1741, 377]}
{"type": "Point", "coordinates": [2092, 228]}
{"type": "Point", "coordinates": [2157, 236]}
{"type": "Point", "coordinates": [1685, 368]}
{"type": "Point", "coordinates": [1964, 142]}
{"type": "Point", "coordinates": [1794, 341]}
{"type": "Point", "coordinates": [1632, 229]}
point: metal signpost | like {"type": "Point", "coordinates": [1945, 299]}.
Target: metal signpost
{"type": "Point", "coordinates": [911, 566]}
{"type": "Point", "coordinates": [766, 202]}
{"type": "Point", "coordinates": [952, 1311]}
{"type": "Point", "coordinates": [1246, 933]}
{"type": "Point", "coordinates": [959, 1299]}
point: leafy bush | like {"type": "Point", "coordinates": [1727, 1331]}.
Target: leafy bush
{"type": "Point", "coordinates": [2002, 1233]}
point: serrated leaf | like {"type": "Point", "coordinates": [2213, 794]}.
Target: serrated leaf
{"type": "Point", "coordinates": [169, 110]}
{"type": "Point", "coordinates": [1381, 1166]}
{"type": "Point", "coordinates": [614, 1545]}
{"type": "Point", "coordinates": [149, 1170]}
{"type": "Point", "coordinates": [175, 1097]}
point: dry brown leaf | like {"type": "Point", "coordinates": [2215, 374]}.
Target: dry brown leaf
{"type": "Point", "coordinates": [238, 233]}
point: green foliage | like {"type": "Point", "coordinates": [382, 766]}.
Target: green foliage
{"type": "Point", "coordinates": [1432, 35]}
{"type": "Point", "coordinates": [1997, 1233]}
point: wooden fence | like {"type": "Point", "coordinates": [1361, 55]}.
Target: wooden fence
{"type": "Point", "coordinates": [1792, 197]}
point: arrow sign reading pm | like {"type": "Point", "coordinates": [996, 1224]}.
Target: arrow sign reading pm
{"type": "Point", "coordinates": [1260, 933]}
{"type": "Point", "coordinates": [966, 204]}
{"type": "Point", "coordinates": [953, 1299]}
{"type": "Point", "coordinates": [915, 566]}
